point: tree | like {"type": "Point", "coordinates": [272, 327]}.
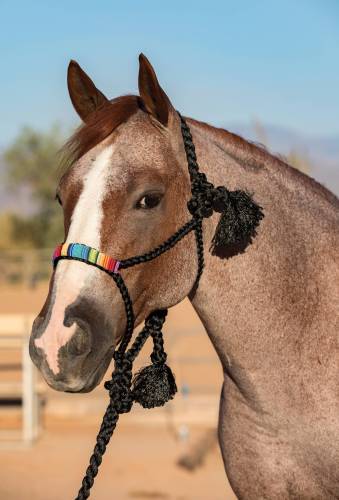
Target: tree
{"type": "Point", "coordinates": [33, 162]}
{"type": "Point", "coordinates": [299, 160]}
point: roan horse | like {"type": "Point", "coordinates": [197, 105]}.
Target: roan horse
{"type": "Point", "coordinates": [270, 309]}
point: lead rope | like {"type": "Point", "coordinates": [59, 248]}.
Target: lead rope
{"type": "Point", "coordinates": [121, 396]}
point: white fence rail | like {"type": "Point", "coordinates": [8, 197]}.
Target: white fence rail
{"type": "Point", "coordinates": [14, 336]}
{"type": "Point", "coordinates": [25, 266]}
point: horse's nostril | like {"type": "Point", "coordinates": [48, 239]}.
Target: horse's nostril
{"type": "Point", "coordinates": [80, 342]}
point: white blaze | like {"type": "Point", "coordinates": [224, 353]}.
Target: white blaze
{"type": "Point", "coordinates": [70, 276]}
{"type": "Point", "coordinates": [87, 216]}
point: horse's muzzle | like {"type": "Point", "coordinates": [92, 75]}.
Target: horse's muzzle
{"type": "Point", "coordinates": [80, 363]}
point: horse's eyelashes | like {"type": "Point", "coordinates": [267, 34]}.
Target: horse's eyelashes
{"type": "Point", "coordinates": [149, 201]}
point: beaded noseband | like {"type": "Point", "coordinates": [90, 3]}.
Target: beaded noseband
{"type": "Point", "coordinates": [154, 385]}
{"type": "Point", "coordinates": [84, 253]}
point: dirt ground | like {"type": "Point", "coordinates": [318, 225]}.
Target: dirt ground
{"type": "Point", "coordinates": [141, 460]}
{"type": "Point", "coordinates": [140, 463]}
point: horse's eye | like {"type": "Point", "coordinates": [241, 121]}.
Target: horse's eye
{"type": "Point", "coordinates": [149, 201]}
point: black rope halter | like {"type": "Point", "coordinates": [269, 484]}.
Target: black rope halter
{"type": "Point", "coordinates": [154, 385]}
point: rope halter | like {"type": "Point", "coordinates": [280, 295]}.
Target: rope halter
{"type": "Point", "coordinates": [154, 385]}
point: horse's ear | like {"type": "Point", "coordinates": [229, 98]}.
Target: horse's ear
{"type": "Point", "coordinates": [85, 97]}
{"type": "Point", "coordinates": [154, 98]}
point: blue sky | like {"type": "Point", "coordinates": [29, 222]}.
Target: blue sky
{"type": "Point", "coordinates": [219, 61]}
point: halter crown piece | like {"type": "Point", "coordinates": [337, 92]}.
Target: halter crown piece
{"type": "Point", "coordinates": [154, 385]}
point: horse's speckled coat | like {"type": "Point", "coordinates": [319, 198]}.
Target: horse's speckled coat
{"type": "Point", "coordinates": [270, 312]}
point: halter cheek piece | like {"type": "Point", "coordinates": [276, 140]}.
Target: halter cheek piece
{"type": "Point", "coordinates": [154, 385]}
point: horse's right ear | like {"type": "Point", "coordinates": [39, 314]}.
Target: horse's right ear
{"type": "Point", "coordinates": [85, 97]}
{"type": "Point", "coordinates": [154, 98]}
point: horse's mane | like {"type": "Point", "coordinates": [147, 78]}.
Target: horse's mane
{"type": "Point", "coordinates": [98, 126]}
{"type": "Point", "coordinates": [252, 154]}
{"type": "Point", "coordinates": [106, 119]}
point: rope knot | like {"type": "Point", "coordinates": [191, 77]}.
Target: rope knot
{"type": "Point", "coordinates": [119, 387]}
{"type": "Point", "coordinates": [154, 385]}
{"type": "Point", "coordinates": [220, 198]}
{"type": "Point", "coordinates": [201, 203]}
{"type": "Point", "coordinates": [206, 198]}
{"type": "Point", "coordinates": [240, 215]}
{"type": "Point", "coordinates": [158, 356]}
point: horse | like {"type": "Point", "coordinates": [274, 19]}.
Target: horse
{"type": "Point", "coordinates": [269, 305]}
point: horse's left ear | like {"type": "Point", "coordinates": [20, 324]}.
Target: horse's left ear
{"type": "Point", "coordinates": [154, 98]}
{"type": "Point", "coordinates": [85, 97]}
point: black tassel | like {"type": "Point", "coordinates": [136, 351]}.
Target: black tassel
{"type": "Point", "coordinates": [240, 216]}
{"type": "Point", "coordinates": [154, 385]}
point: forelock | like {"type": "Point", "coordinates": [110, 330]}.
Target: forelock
{"type": "Point", "coordinates": [99, 126]}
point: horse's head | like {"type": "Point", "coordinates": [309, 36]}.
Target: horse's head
{"type": "Point", "coordinates": [124, 192]}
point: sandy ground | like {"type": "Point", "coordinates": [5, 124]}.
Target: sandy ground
{"type": "Point", "coordinates": [141, 460]}
{"type": "Point", "coordinates": [140, 463]}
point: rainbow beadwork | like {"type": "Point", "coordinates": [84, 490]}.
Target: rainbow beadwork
{"type": "Point", "coordinates": [82, 252]}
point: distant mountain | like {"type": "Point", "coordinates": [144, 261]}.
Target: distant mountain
{"type": "Point", "coordinates": [323, 153]}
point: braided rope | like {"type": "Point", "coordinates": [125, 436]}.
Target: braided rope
{"type": "Point", "coordinates": [121, 397]}
{"type": "Point", "coordinates": [128, 310]}
{"type": "Point", "coordinates": [200, 254]}
{"type": "Point", "coordinates": [163, 247]}
{"type": "Point", "coordinates": [193, 167]}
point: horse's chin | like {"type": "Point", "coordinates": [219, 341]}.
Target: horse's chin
{"type": "Point", "coordinates": [79, 384]}
{"type": "Point", "coordinates": [95, 378]}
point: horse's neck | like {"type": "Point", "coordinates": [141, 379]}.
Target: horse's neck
{"type": "Point", "coordinates": [253, 303]}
